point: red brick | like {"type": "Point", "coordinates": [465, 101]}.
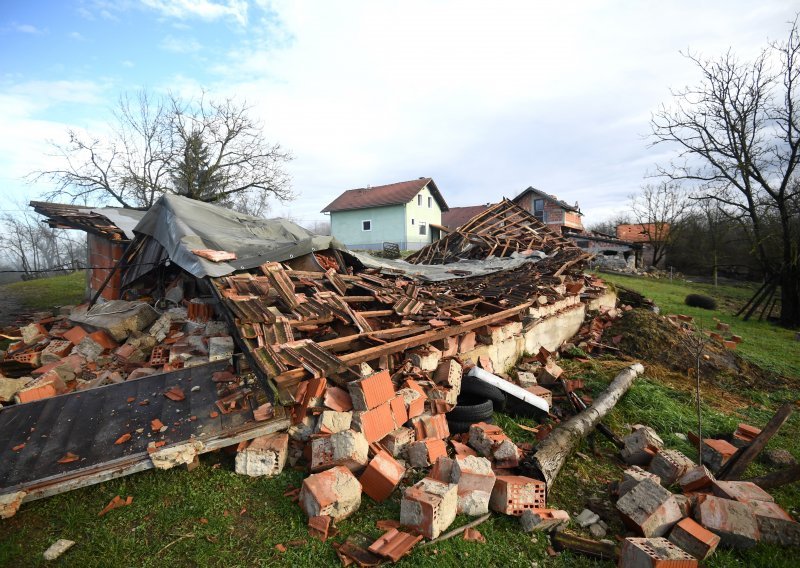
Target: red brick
{"type": "Point", "coordinates": [430, 427]}
{"type": "Point", "coordinates": [338, 399]}
{"type": "Point", "coordinates": [335, 492]}
{"type": "Point", "coordinates": [734, 522]}
{"type": "Point", "coordinates": [716, 453]}
{"type": "Point", "coordinates": [429, 507]}
{"type": "Point", "coordinates": [512, 494]}
{"type": "Point", "coordinates": [399, 412]}
{"type": "Point", "coordinates": [743, 491]}
{"type": "Point", "coordinates": [394, 544]}
{"type": "Point", "coordinates": [382, 476]}
{"type": "Point", "coordinates": [655, 552]}
{"type": "Point", "coordinates": [371, 391]}
{"type": "Point", "coordinates": [376, 423]}
{"type": "Point", "coordinates": [694, 539]}
{"type": "Point", "coordinates": [775, 524]}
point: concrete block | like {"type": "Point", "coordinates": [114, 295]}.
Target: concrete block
{"type": "Point", "coordinates": [264, 456]}
{"type": "Point", "coordinates": [670, 465]}
{"type": "Point", "coordinates": [587, 518]}
{"type": "Point", "coordinates": [526, 379]}
{"type": "Point", "coordinates": [654, 553]}
{"type": "Point", "coordinates": [473, 503]}
{"type": "Point", "coordinates": [303, 430]}
{"type": "Point", "coordinates": [734, 522]}
{"type": "Point", "coordinates": [58, 548]}
{"type": "Point", "coordinates": [716, 453]}
{"type": "Point", "coordinates": [331, 422]}
{"type": "Point", "coordinates": [694, 539]}
{"type": "Point", "coordinates": [10, 387]}
{"type": "Point", "coordinates": [632, 476]}
{"type": "Point", "coordinates": [649, 509]}
{"type": "Point", "coordinates": [397, 441]}
{"type": "Point", "coordinates": [32, 333]}
{"type": "Point", "coordinates": [512, 494]}
{"type": "Point", "coordinates": [372, 391]}
{"type": "Point", "coordinates": [429, 507]}
{"type": "Point", "coordinates": [117, 317]}
{"type": "Point", "coordinates": [10, 503]}
{"type": "Point", "coordinates": [334, 492]}
{"type": "Point", "coordinates": [382, 476]}
{"type": "Point", "coordinates": [641, 445]}
{"type": "Point", "coordinates": [696, 479]}
{"type": "Point", "coordinates": [473, 474]}
{"type": "Point", "coordinates": [424, 453]}
{"type": "Point", "coordinates": [426, 358]}
{"type": "Point", "coordinates": [506, 454]}
{"type": "Point", "coordinates": [743, 491]}
{"type": "Point", "coordinates": [543, 519]}
{"type": "Point", "coordinates": [775, 525]}
{"type": "Point", "coordinates": [347, 448]}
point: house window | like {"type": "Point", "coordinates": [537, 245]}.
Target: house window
{"type": "Point", "coordinates": [430, 202]}
{"type": "Point", "coordinates": [538, 209]}
{"type": "Point", "coordinates": [366, 225]}
{"type": "Point", "coordinates": [412, 221]}
{"type": "Point", "coordinates": [423, 228]}
{"type": "Point", "coordinates": [419, 200]}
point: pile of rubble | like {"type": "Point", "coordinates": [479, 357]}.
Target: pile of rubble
{"type": "Point", "coordinates": [709, 511]}
{"type": "Point", "coordinates": [110, 343]}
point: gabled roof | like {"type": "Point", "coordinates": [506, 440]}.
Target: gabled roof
{"type": "Point", "coordinates": [457, 216]}
{"type": "Point", "coordinates": [543, 195]}
{"type": "Point", "coordinates": [382, 195]}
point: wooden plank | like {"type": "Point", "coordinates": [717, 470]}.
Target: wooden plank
{"type": "Point", "coordinates": [742, 458]}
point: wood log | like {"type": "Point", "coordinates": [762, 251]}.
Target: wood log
{"type": "Point", "coordinates": [566, 541]}
{"type": "Point", "coordinates": [735, 466]}
{"type": "Point", "coordinates": [553, 451]}
{"type": "Point", "coordinates": [777, 478]}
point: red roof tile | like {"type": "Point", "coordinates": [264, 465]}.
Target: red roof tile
{"type": "Point", "coordinates": [382, 195]}
{"type": "Point", "coordinates": [457, 216]}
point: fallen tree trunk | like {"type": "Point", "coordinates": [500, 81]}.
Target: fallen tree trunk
{"type": "Point", "coordinates": [554, 450]}
{"type": "Point", "coordinates": [777, 478]}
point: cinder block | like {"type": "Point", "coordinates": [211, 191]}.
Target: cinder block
{"type": "Point", "coordinates": [775, 525]}
{"type": "Point", "coordinates": [743, 491]}
{"type": "Point", "coordinates": [734, 522]}
{"type": "Point", "coordinates": [696, 479]}
{"type": "Point", "coordinates": [334, 492]}
{"type": "Point", "coordinates": [473, 474]}
{"type": "Point", "coordinates": [424, 453]}
{"type": "Point", "coordinates": [382, 476]}
{"type": "Point", "coordinates": [512, 494]}
{"type": "Point", "coordinates": [371, 391]}
{"type": "Point", "coordinates": [348, 448]}
{"type": "Point", "coordinates": [641, 445]}
{"type": "Point", "coordinates": [716, 453]}
{"type": "Point", "coordinates": [263, 456]}
{"type": "Point", "coordinates": [670, 465]}
{"type": "Point", "coordinates": [543, 519]}
{"type": "Point", "coordinates": [397, 441]}
{"type": "Point", "coordinates": [649, 509]}
{"type": "Point", "coordinates": [632, 476]}
{"type": "Point", "coordinates": [653, 553]}
{"type": "Point", "coordinates": [694, 539]}
{"type": "Point", "coordinates": [429, 507]}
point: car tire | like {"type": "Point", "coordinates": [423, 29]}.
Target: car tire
{"type": "Point", "coordinates": [480, 389]}
{"type": "Point", "coordinates": [457, 427]}
{"type": "Point", "coordinates": [471, 410]}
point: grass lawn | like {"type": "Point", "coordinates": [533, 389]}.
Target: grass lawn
{"type": "Point", "coordinates": [213, 517]}
{"type": "Point", "coordinates": [49, 292]}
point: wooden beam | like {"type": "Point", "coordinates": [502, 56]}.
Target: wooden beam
{"type": "Point", "coordinates": [742, 458]}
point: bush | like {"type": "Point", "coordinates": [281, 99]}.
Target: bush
{"type": "Point", "coordinates": [701, 301]}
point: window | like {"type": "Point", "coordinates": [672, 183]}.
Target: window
{"type": "Point", "coordinates": [538, 209]}
{"type": "Point", "coordinates": [423, 228]}
{"type": "Point", "coordinates": [430, 202]}
{"type": "Point", "coordinates": [366, 225]}
{"type": "Point", "coordinates": [412, 221]}
{"type": "Point", "coordinates": [419, 200]}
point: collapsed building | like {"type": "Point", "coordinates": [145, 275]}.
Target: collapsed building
{"type": "Point", "coordinates": [230, 330]}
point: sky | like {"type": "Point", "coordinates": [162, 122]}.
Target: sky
{"type": "Point", "coordinates": [487, 98]}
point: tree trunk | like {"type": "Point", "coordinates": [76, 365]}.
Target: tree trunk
{"type": "Point", "coordinates": [777, 478]}
{"type": "Point", "coordinates": [790, 297]}
{"type": "Point", "coordinates": [554, 450]}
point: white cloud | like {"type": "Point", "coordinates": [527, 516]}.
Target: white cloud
{"type": "Point", "coordinates": [203, 9]}
{"type": "Point", "coordinates": [77, 36]}
{"type": "Point", "coordinates": [27, 29]}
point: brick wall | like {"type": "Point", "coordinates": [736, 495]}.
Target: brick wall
{"type": "Point", "coordinates": [554, 214]}
{"type": "Point", "coordinates": [103, 255]}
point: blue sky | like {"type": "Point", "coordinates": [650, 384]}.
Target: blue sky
{"type": "Point", "coordinates": [487, 98]}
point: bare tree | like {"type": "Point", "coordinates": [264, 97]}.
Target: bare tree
{"type": "Point", "coordinates": [609, 226]}
{"type": "Point", "coordinates": [660, 210]}
{"type": "Point", "coordinates": [738, 135]}
{"type": "Point", "coordinates": [35, 249]}
{"type": "Point", "coordinates": [214, 151]}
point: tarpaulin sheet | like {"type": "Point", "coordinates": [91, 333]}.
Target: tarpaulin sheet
{"type": "Point", "coordinates": [181, 225]}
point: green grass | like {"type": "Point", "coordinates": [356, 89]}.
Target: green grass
{"type": "Point", "coordinates": [49, 292]}
{"type": "Point", "coordinates": [765, 344]}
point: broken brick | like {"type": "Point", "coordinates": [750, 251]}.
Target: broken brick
{"type": "Point", "coordinates": [429, 507]}
{"type": "Point", "coordinates": [743, 491]}
{"type": "Point", "coordinates": [382, 476]}
{"type": "Point", "coordinates": [424, 453]}
{"type": "Point", "coordinates": [670, 465]}
{"type": "Point", "coordinates": [543, 519]}
{"type": "Point", "coordinates": [335, 492]}
{"type": "Point", "coordinates": [347, 448]}
{"type": "Point", "coordinates": [394, 544]}
{"type": "Point", "coordinates": [122, 439]}
{"type": "Point", "coordinates": [649, 509]}
{"type": "Point", "coordinates": [716, 453]}
{"type": "Point", "coordinates": [734, 522]}
{"type": "Point", "coordinates": [655, 553]}
{"type": "Point", "coordinates": [512, 494]}
{"type": "Point", "coordinates": [694, 539]}
{"type": "Point", "coordinates": [369, 392]}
